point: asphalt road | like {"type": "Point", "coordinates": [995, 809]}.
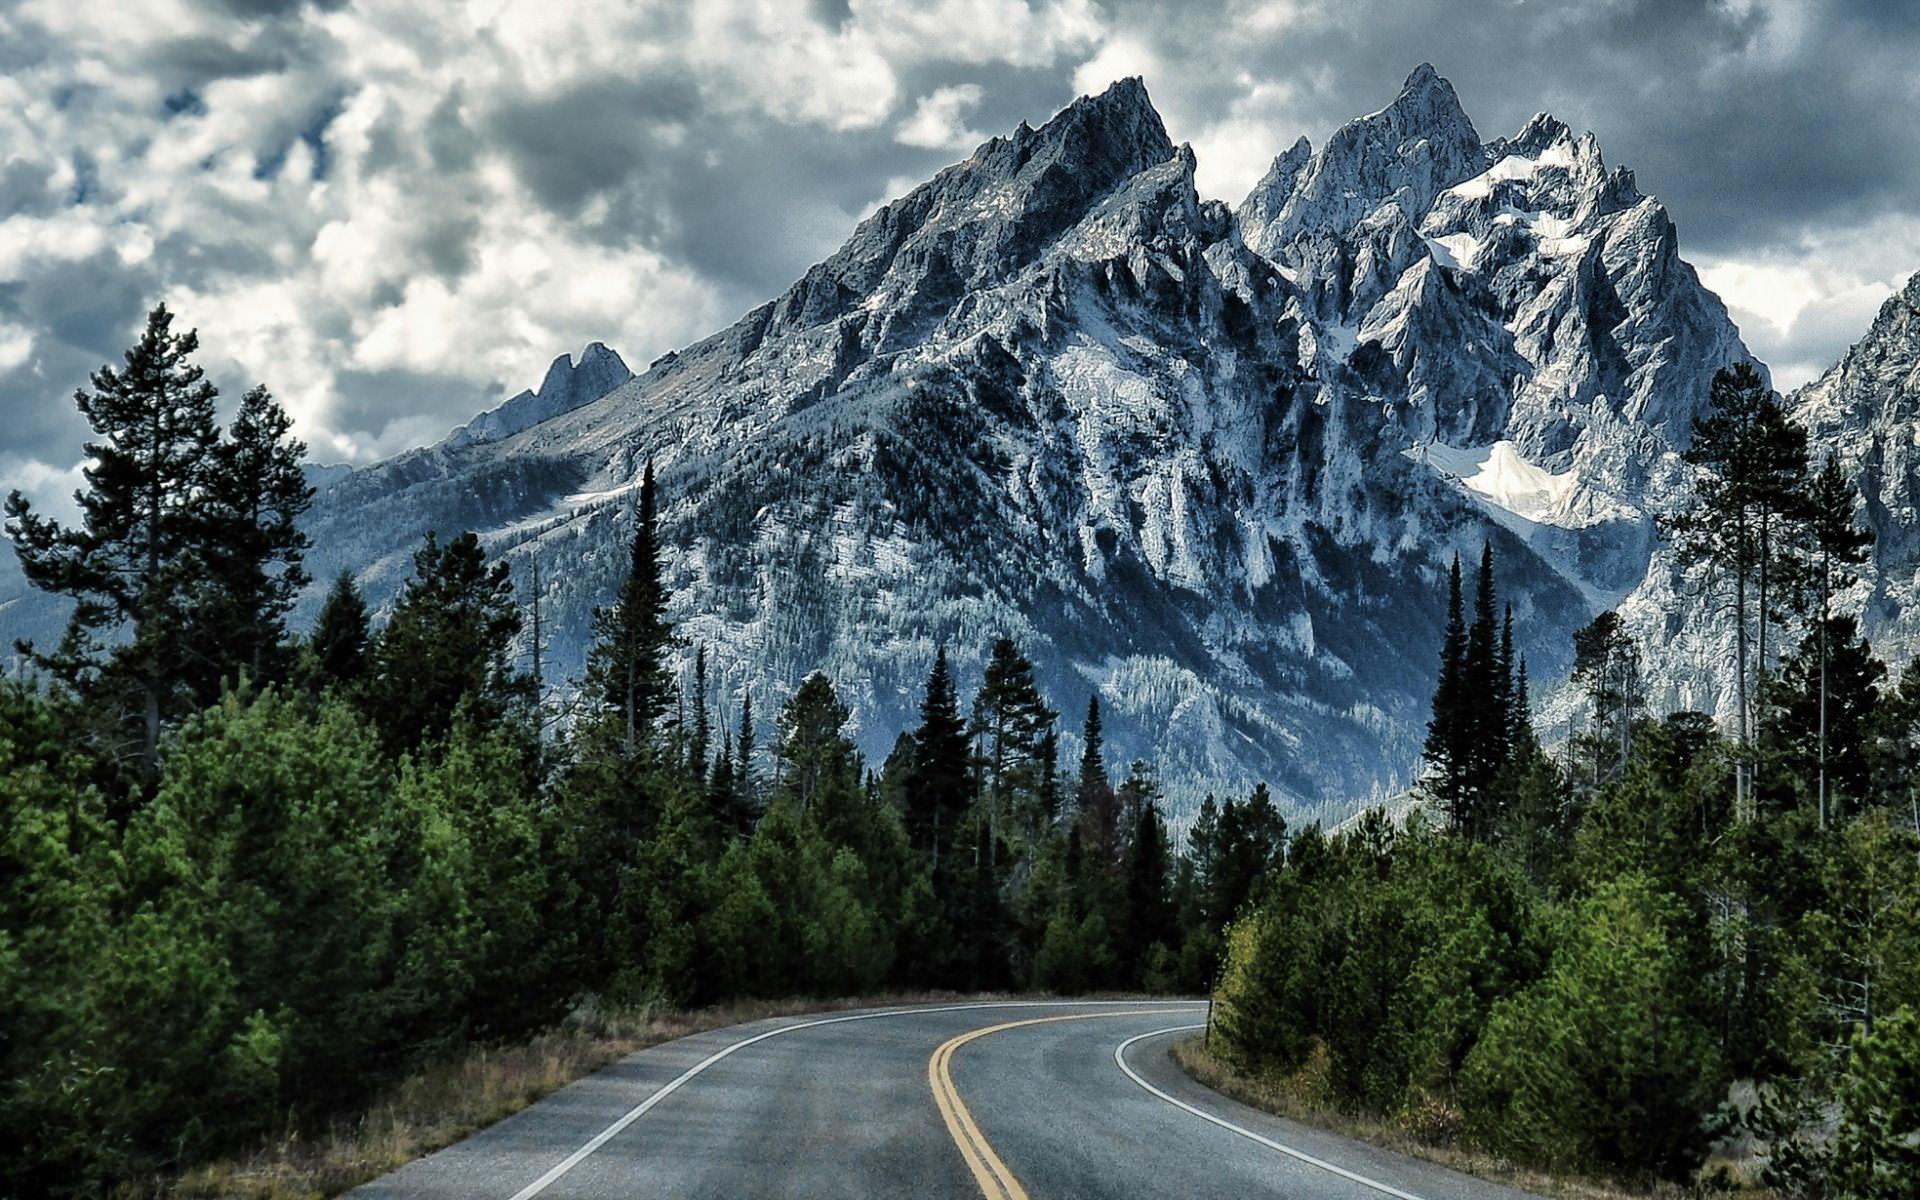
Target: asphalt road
{"type": "Point", "coordinates": [1009, 1101]}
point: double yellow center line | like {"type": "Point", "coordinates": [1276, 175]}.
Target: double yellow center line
{"type": "Point", "coordinates": [989, 1169]}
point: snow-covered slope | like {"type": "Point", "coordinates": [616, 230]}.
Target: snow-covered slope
{"type": "Point", "coordinates": [1211, 462]}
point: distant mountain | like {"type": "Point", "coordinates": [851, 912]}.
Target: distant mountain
{"type": "Point", "coordinates": [1211, 462]}
{"type": "Point", "coordinates": [567, 386]}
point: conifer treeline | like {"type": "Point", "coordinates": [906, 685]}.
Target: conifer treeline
{"type": "Point", "coordinates": [246, 875]}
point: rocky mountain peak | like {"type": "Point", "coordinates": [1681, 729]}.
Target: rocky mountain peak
{"type": "Point", "coordinates": [1408, 152]}
{"type": "Point", "coordinates": [981, 220]}
{"type": "Point", "coordinates": [567, 385]}
{"type": "Point", "coordinates": [1875, 387]}
{"type": "Point", "coordinates": [1427, 107]}
{"type": "Point", "coordinates": [1541, 131]}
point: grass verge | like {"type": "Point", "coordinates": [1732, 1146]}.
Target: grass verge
{"type": "Point", "coordinates": [1417, 1135]}
{"type": "Point", "coordinates": [445, 1102]}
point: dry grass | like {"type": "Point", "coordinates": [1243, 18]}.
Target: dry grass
{"type": "Point", "coordinates": [445, 1102]}
{"type": "Point", "coordinates": [1429, 1133]}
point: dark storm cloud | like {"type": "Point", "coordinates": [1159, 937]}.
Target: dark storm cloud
{"type": "Point", "coordinates": [83, 318]}
{"type": "Point", "coordinates": [738, 197]}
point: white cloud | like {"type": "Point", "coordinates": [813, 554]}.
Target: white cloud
{"type": "Point", "coordinates": [16, 346]}
{"type": "Point", "coordinates": [939, 120]}
{"type": "Point", "coordinates": [49, 487]}
{"type": "Point", "coordinates": [1799, 305]}
{"type": "Point", "coordinates": [1119, 58]}
{"type": "Point", "coordinates": [1235, 149]}
{"type": "Point", "coordinates": [330, 192]}
{"type": "Point", "coordinates": [1017, 32]}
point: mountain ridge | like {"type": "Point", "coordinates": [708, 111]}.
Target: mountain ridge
{"type": "Point", "coordinates": [1165, 473]}
{"type": "Point", "coordinates": [1210, 462]}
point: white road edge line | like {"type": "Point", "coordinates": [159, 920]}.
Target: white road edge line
{"type": "Point", "coordinates": [641, 1109]}
{"type": "Point", "coordinates": [1120, 1057]}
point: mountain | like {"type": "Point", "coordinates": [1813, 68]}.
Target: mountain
{"type": "Point", "coordinates": [1210, 461]}
{"type": "Point", "coordinates": [568, 385]}
{"type": "Point", "coordinates": [1865, 410]}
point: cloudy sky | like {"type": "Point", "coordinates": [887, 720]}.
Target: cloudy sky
{"type": "Point", "coordinates": [395, 213]}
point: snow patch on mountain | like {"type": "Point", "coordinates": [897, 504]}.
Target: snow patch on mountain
{"type": "Point", "coordinates": [1500, 475]}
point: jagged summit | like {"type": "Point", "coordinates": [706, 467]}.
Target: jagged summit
{"type": "Point", "coordinates": [976, 221]}
{"type": "Point", "coordinates": [1864, 409]}
{"type": "Point", "coordinates": [567, 385]}
{"type": "Point", "coordinates": [1406, 152]}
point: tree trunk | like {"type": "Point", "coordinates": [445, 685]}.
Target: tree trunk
{"type": "Point", "coordinates": [1740, 689]}
{"type": "Point", "coordinates": [1825, 584]}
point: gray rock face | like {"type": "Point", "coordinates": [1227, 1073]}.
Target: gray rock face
{"type": "Point", "coordinates": [1211, 463]}
{"type": "Point", "coordinates": [567, 386]}
{"type": "Point", "coordinates": [1865, 411]}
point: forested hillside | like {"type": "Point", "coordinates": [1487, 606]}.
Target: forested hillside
{"type": "Point", "coordinates": [248, 875]}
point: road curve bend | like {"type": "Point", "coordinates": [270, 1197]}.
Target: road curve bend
{"type": "Point", "coordinates": [1009, 1100]}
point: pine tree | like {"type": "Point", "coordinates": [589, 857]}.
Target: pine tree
{"type": "Point", "coordinates": [627, 669]}
{"type": "Point", "coordinates": [1097, 807]}
{"type": "Point", "coordinates": [1149, 911]}
{"type": "Point", "coordinates": [1505, 689]}
{"type": "Point", "coordinates": [1750, 460]}
{"type": "Point", "coordinates": [723, 792]}
{"type": "Point", "coordinates": [449, 644]}
{"type": "Point", "coordinates": [1838, 545]}
{"type": "Point", "coordinates": [814, 754]}
{"type": "Point", "coordinates": [254, 497]}
{"type": "Point", "coordinates": [938, 786]}
{"type": "Point", "coordinates": [136, 560]}
{"type": "Point", "coordinates": [1483, 721]}
{"type": "Point", "coordinates": [1822, 704]}
{"type": "Point", "coordinates": [1606, 664]}
{"type": "Point", "coordinates": [1779, 458]}
{"type": "Point", "coordinates": [1448, 732]}
{"type": "Point", "coordinates": [339, 642]}
{"type": "Point", "coordinates": [1203, 842]}
{"type": "Point", "coordinates": [1010, 722]}
{"type": "Point", "coordinates": [1520, 733]}
{"type": "Point", "coordinates": [744, 775]}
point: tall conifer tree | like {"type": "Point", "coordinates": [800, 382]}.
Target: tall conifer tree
{"type": "Point", "coordinates": [1738, 460]}
{"type": "Point", "coordinates": [1448, 731]}
{"type": "Point", "coordinates": [700, 739]}
{"type": "Point", "coordinates": [449, 644]}
{"type": "Point", "coordinates": [1098, 807]}
{"type": "Point", "coordinates": [1483, 722]}
{"type": "Point", "coordinates": [138, 557]}
{"type": "Point", "coordinates": [255, 495]}
{"type": "Point", "coordinates": [1838, 546]}
{"type": "Point", "coordinates": [627, 669]}
{"type": "Point", "coordinates": [340, 639]}
{"type": "Point", "coordinates": [1010, 723]}
{"type": "Point", "coordinates": [938, 785]}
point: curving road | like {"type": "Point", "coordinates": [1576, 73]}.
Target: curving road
{"type": "Point", "coordinates": [1009, 1100]}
